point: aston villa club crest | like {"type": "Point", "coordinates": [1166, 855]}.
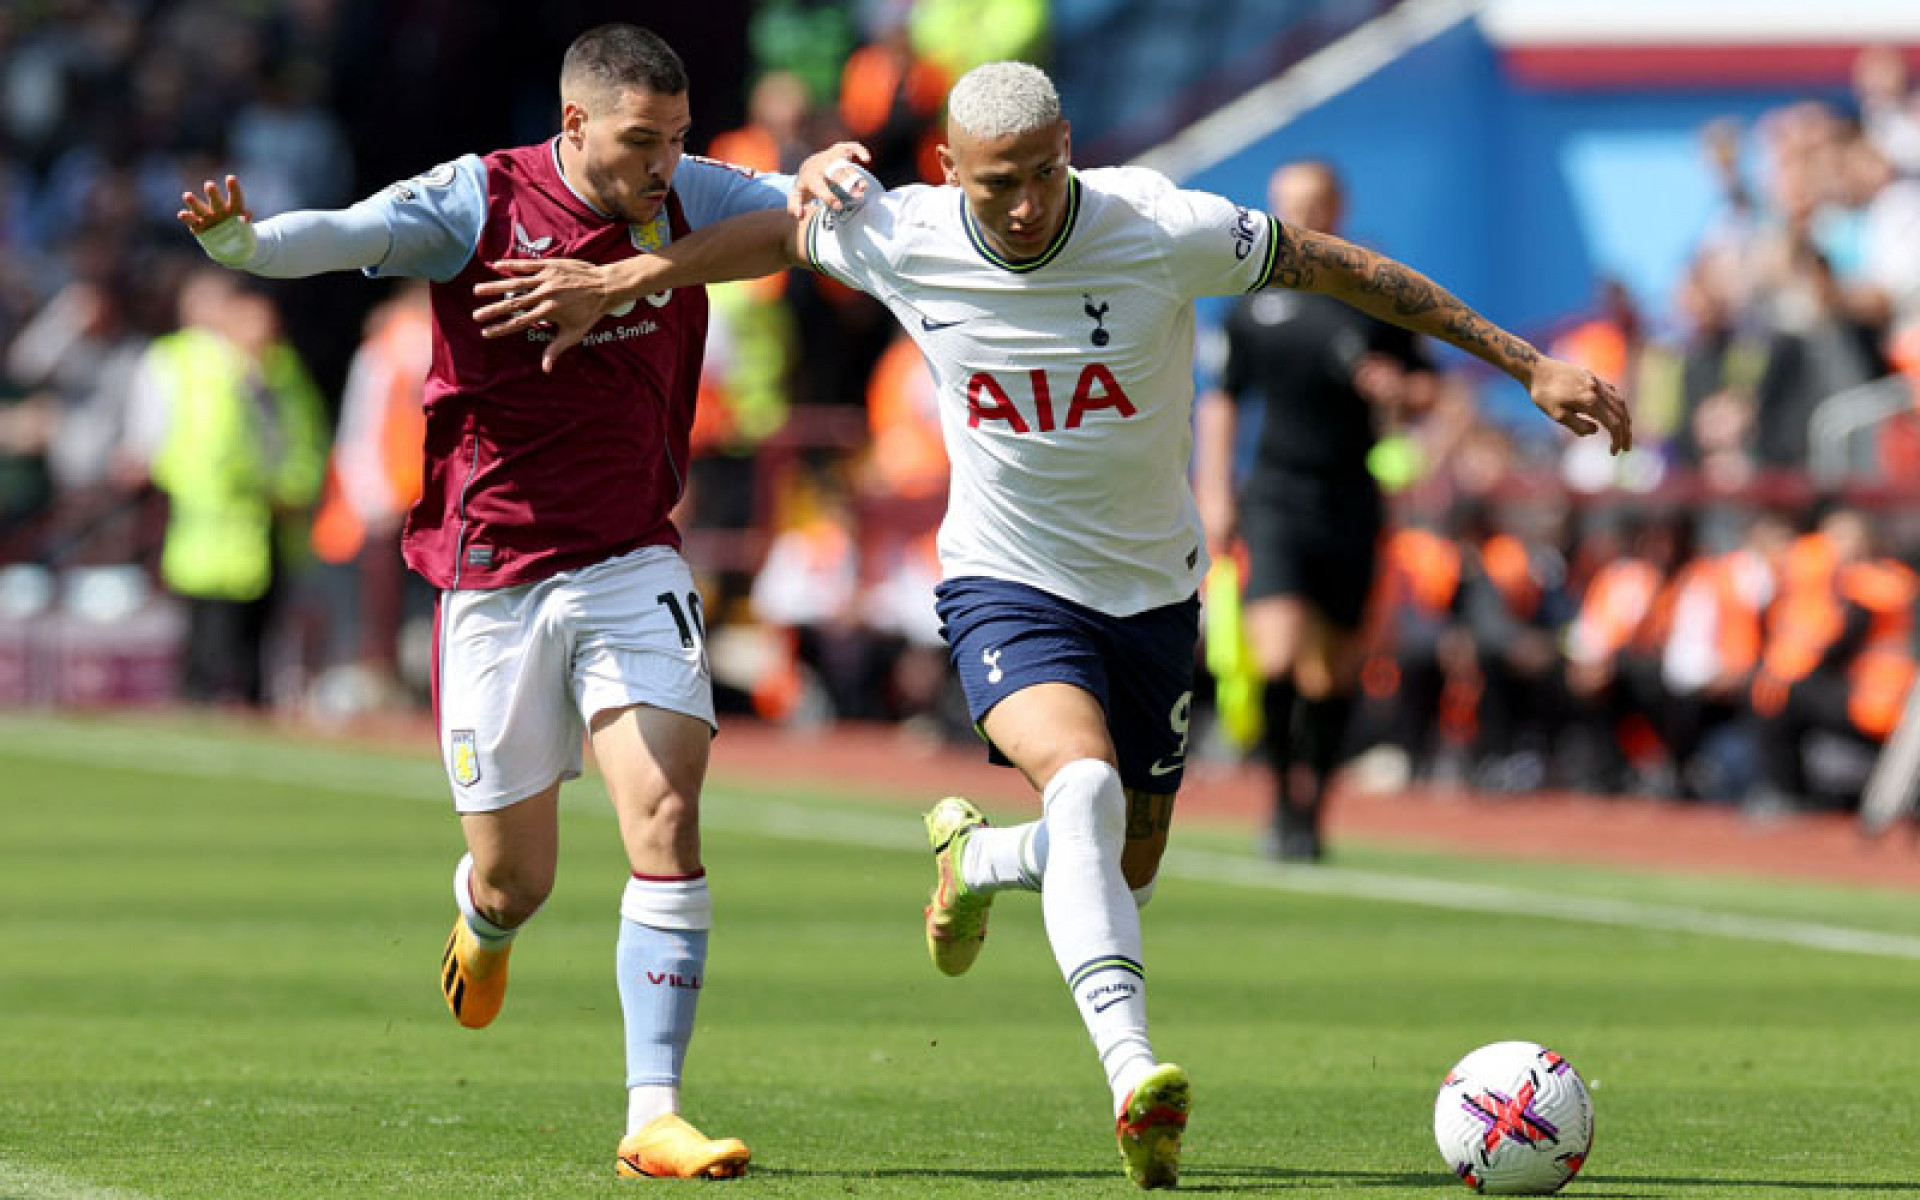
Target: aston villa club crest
{"type": "Point", "coordinates": [466, 758]}
{"type": "Point", "coordinates": [650, 236]}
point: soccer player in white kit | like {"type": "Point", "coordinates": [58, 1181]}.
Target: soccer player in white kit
{"type": "Point", "coordinates": [1054, 308]}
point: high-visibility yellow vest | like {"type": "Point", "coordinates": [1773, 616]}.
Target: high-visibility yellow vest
{"type": "Point", "coordinates": [239, 444]}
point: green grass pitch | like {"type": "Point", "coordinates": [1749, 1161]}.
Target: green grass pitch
{"type": "Point", "coordinates": [217, 980]}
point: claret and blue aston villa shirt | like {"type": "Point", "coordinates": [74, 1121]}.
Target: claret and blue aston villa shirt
{"type": "Point", "coordinates": [528, 474]}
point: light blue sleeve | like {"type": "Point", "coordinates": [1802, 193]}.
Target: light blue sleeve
{"type": "Point", "coordinates": [711, 190]}
{"type": "Point", "coordinates": [433, 220]}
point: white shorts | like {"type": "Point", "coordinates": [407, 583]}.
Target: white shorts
{"type": "Point", "coordinates": [522, 670]}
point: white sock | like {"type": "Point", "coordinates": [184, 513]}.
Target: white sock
{"type": "Point", "coordinates": [1092, 921]}
{"type": "Point", "coordinates": [489, 935]}
{"type": "Point", "coordinates": [1127, 1077]}
{"type": "Point", "coordinates": [998, 860]}
{"type": "Point", "coordinates": [1015, 859]}
{"type": "Point", "coordinates": [648, 1101]}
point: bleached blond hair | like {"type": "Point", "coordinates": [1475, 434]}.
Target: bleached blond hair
{"type": "Point", "coordinates": [997, 99]}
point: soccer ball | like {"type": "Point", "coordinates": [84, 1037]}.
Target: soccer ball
{"type": "Point", "coordinates": [1513, 1119]}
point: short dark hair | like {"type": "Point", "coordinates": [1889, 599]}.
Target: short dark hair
{"type": "Point", "coordinates": [623, 56]}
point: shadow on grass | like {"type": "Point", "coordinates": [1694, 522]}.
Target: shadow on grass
{"type": "Point", "coordinates": [1619, 1187]}
{"type": "Point", "coordinates": [1224, 1180]}
{"type": "Point", "coordinates": [1782, 1185]}
{"type": "Point", "coordinates": [1274, 1179]}
{"type": "Point", "coordinates": [1242, 1180]}
{"type": "Point", "coordinates": [966, 1174]}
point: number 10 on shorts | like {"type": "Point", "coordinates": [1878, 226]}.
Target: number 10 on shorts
{"type": "Point", "coordinates": [688, 620]}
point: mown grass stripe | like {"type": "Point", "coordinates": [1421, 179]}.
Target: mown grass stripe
{"type": "Point", "coordinates": [133, 747]}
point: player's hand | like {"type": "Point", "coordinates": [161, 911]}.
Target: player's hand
{"type": "Point", "coordinates": [1582, 401]}
{"type": "Point", "coordinates": [211, 219]}
{"type": "Point", "coordinates": [829, 178]}
{"type": "Point", "coordinates": [563, 294]}
{"type": "Point", "coordinates": [220, 203]}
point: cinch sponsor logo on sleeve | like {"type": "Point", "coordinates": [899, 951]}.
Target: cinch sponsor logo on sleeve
{"type": "Point", "coordinates": [1245, 233]}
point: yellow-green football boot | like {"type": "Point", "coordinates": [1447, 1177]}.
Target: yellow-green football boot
{"type": "Point", "coordinates": [956, 917]}
{"type": "Point", "coordinates": [1150, 1126]}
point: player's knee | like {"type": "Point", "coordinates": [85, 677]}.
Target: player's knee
{"type": "Point", "coordinates": [674, 815]}
{"type": "Point", "coordinates": [508, 894]}
{"type": "Point", "coordinates": [663, 837]}
{"type": "Point", "coordinates": [1084, 802]}
{"type": "Point", "coordinates": [669, 820]}
{"type": "Point", "coordinates": [1064, 756]}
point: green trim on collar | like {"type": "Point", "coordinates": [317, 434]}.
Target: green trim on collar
{"type": "Point", "coordinates": [1032, 264]}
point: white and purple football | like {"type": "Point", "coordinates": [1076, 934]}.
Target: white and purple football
{"type": "Point", "coordinates": [1514, 1119]}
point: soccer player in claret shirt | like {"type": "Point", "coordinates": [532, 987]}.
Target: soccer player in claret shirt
{"type": "Point", "coordinates": [1055, 311]}
{"type": "Point", "coordinates": [565, 605]}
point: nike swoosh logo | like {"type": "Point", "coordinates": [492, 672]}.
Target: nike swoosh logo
{"type": "Point", "coordinates": [1161, 769]}
{"type": "Point", "coordinates": [933, 326]}
{"type": "Point", "coordinates": [1100, 1008]}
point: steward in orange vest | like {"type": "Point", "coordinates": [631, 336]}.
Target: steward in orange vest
{"type": "Point", "coordinates": [1838, 655]}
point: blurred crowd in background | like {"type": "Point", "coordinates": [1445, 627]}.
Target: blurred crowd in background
{"type": "Point", "coordinates": [202, 476]}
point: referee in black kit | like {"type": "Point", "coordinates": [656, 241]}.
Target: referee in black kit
{"type": "Point", "coordinates": [1310, 511]}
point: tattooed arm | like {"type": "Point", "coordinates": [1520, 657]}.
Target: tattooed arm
{"type": "Point", "coordinates": [1394, 292]}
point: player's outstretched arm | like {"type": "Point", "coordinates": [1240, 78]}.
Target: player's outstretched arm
{"type": "Point", "coordinates": [290, 246]}
{"type": "Point", "coordinates": [571, 296]}
{"type": "Point", "coordinates": [1380, 287]}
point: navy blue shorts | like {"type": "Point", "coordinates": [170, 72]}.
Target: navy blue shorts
{"type": "Point", "coordinates": [1005, 637]}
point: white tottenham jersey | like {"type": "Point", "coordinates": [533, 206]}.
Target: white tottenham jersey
{"type": "Point", "coordinates": [1066, 381]}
